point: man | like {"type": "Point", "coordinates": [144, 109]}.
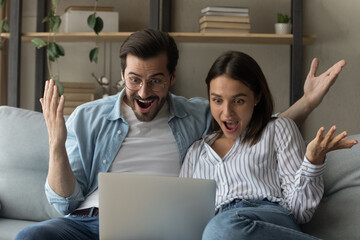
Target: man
{"type": "Point", "coordinates": [144, 129]}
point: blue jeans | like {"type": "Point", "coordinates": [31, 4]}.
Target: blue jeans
{"type": "Point", "coordinates": [253, 219]}
{"type": "Point", "coordinates": [71, 227]}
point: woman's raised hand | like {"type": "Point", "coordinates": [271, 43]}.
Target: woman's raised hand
{"type": "Point", "coordinates": [320, 145]}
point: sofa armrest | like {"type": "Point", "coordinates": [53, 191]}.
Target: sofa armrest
{"type": "Point", "coordinates": [24, 154]}
{"type": "Point", "coordinates": [338, 211]}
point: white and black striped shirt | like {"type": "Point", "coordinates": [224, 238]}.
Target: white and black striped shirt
{"type": "Point", "coordinates": [273, 169]}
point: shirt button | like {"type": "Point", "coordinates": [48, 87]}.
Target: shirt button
{"type": "Point", "coordinates": [305, 168]}
{"type": "Point", "coordinates": [224, 183]}
{"type": "Point", "coordinates": [104, 161]}
{"type": "Point", "coordinates": [119, 132]}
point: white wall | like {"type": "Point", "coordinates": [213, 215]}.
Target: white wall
{"type": "Point", "coordinates": [334, 23]}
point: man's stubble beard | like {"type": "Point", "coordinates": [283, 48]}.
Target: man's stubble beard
{"type": "Point", "coordinates": [145, 117]}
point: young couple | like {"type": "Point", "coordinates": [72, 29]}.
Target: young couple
{"type": "Point", "coordinates": [257, 161]}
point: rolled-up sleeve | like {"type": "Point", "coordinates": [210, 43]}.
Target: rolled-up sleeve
{"type": "Point", "coordinates": [64, 205]}
{"type": "Point", "coordinates": [69, 204]}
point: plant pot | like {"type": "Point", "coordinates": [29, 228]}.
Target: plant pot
{"type": "Point", "coordinates": [282, 28]}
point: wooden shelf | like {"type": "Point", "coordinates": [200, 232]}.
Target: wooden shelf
{"type": "Point", "coordinates": [180, 37]}
{"type": "Point", "coordinates": [251, 38]}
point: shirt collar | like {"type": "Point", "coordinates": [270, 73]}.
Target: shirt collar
{"type": "Point", "coordinates": [176, 109]}
{"type": "Point", "coordinates": [115, 112]}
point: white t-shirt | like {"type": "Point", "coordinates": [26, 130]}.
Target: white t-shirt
{"type": "Point", "coordinates": [149, 148]}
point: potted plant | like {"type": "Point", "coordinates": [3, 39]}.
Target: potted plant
{"type": "Point", "coordinates": [53, 49]}
{"type": "Point", "coordinates": [283, 25]}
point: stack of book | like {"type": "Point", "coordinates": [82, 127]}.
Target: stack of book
{"type": "Point", "coordinates": [225, 20]}
{"type": "Point", "coordinates": [77, 93]}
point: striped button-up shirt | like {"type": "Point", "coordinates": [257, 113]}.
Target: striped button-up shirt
{"type": "Point", "coordinates": [274, 168]}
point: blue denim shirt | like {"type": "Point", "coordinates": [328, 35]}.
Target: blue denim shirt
{"type": "Point", "coordinates": [97, 129]}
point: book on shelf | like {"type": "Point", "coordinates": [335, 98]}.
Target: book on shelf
{"type": "Point", "coordinates": [73, 100]}
{"type": "Point", "coordinates": [89, 8]}
{"type": "Point", "coordinates": [224, 18]}
{"type": "Point", "coordinates": [225, 25]}
{"type": "Point", "coordinates": [84, 97]}
{"type": "Point", "coordinates": [225, 9]}
{"type": "Point", "coordinates": [224, 30]}
{"type": "Point", "coordinates": [80, 90]}
{"type": "Point", "coordinates": [226, 14]}
{"type": "Point", "coordinates": [77, 93]}
{"type": "Point", "coordinates": [79, 85]}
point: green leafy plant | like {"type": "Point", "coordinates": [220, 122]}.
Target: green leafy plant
{"type": "Point", "coordinates": [96, 24]}
{"type": "Point", "coordinates": [4, 26]}
{"type": "Point", "coordinates": [283, 18]}
{"type": "Point", "coordinates": [53, 49]}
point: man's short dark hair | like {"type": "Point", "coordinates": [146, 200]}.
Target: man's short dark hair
{"type": "Point", "coordinates": [149, 43]}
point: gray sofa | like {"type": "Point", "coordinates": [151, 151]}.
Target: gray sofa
{"type": "Point", "coordinates": [24, 157]}
{"type": "Point", "coordinates": [24, 163]}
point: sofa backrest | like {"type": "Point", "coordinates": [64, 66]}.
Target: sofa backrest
{"type": "Point", "coordinates": [339, 211]}
{"type": "Point", "coordinates": [24, 156]}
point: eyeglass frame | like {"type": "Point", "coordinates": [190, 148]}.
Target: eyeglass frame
{"type": "Point", "coordinates": [147, 82]}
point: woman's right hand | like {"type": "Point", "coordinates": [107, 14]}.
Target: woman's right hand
{"type": "Point", "coordinates": [53, 110]}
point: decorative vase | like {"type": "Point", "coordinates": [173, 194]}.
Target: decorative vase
{"type": "Point", "coordinates": [282, 28]}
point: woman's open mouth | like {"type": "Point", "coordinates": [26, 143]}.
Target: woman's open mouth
{"type": "Point", "coordinates": [231, 126]}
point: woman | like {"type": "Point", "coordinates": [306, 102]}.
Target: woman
{"type": "Point", "coordinates": [266, 184]}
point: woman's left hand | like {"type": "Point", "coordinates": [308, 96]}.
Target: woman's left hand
{"type": "Point", "coordinates": [320, 145]}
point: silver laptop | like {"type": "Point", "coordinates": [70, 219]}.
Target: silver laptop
{"type": "Point", "coordinates": [142, 207]}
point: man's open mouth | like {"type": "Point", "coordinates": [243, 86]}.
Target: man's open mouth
{"type": "Point", "coordinates": [145, 104]}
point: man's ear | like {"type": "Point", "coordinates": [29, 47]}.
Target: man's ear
{"type": "Point", "coordinates": [173, 78]}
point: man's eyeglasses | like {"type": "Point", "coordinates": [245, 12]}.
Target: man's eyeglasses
{"type": "Point", "coordinates": [135, 83]}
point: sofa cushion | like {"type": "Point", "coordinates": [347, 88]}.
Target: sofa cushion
{"type": "Point", "coordinates": [338, 212]}
{"type": "Point", "coordinates": [24, 154]}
